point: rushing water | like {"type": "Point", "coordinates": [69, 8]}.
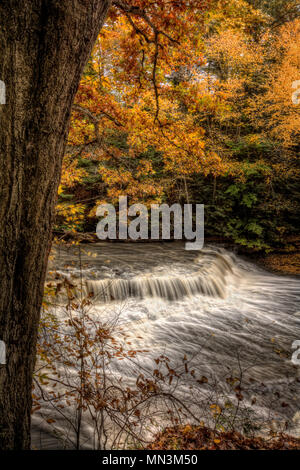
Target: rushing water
{"type": "Point", "coordinates": [215, 307]}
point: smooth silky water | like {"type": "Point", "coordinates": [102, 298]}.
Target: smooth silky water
{"type": "Point", "coordinates": [213, 306]}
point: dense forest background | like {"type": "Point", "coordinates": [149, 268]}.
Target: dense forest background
{"type": "Point", "coordinates": [209, 121]}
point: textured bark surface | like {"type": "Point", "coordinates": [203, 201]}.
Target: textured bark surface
{"type": "Point", "coordinates": [44, 45]}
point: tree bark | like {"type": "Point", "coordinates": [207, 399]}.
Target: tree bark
{"type": "Point", "coordinates": [44, 45]}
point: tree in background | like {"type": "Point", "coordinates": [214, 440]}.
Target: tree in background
{"type": "Point", "coordinates": [211, 122]}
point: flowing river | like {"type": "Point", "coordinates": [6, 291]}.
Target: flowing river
{"type": "Point", "coordinates": [225, 313]}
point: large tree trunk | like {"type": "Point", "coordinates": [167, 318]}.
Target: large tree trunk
{"type": "Point", "coordinates": [44, 45]}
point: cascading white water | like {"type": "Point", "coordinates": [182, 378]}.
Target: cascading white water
{"type": "Point", "coordinates": [210, 281]}
{"type": "Point", "coordinates": [223, 312]}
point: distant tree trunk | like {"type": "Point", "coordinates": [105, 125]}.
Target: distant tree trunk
{"type": "Point", "coordinates": [44, 45]}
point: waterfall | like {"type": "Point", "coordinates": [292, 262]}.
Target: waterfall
{"type": "Point", "coordinates": [227, 316]}
{"type": "Point", "coordinates": [210, 281]}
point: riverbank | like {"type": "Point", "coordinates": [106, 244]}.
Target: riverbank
{"type": "Point", "coordinates": [281, 263]}
{"type": "Point", "coordinates": [202, 438]}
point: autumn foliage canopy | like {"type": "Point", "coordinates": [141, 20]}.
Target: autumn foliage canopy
{"type": "Point", "coordinates": [190, 102]}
